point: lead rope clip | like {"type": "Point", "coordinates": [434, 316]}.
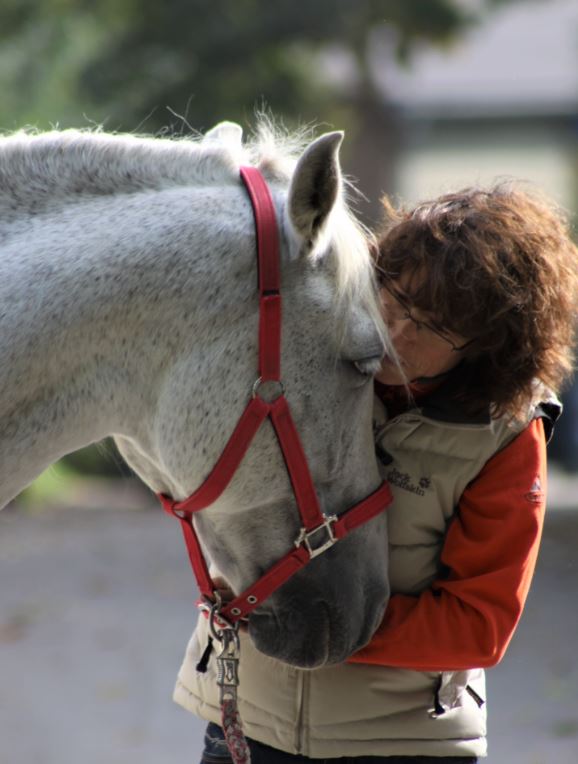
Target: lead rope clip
{"type": "Point", "coordinates": [228, 681]}
{"type": "Point", "coordinates": [227, 635]}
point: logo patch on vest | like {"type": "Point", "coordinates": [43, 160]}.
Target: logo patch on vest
{"type": "Point", "coordinates": [403, 480]}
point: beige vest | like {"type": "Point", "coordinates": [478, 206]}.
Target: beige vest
{"type": "Point", "coordinates": [365, 710]}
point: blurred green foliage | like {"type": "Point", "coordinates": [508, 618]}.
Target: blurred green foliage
{"type": "Point", "coordinates": [121, 63]}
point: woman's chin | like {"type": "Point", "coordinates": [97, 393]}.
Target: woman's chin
{"type": "Point", "coordinates": [390, 374]}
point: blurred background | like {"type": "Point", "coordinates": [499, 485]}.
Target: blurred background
{"type": "Point", "coordinates": [95, 606]}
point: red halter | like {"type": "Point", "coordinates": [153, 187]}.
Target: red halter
{"type": "Point", "coordinates": [319, 531]}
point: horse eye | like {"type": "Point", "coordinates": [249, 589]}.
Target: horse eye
{"type": "Point", "coordinates": [368, 366]}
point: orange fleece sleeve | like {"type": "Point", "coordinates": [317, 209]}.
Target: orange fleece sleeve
{"type": "Point", "coordinates": [467, 618]}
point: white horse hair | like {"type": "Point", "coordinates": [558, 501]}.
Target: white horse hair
{"type": "Point", "coordinates": [128, 307]}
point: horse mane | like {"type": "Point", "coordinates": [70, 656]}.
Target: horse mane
{"type": "Point", "coordinates": [60, 164]}
{"type": "Point", "coordinates": [42, 171]}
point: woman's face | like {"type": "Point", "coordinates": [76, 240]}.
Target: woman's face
{"type": "Point", "coordinates": [424, 348]}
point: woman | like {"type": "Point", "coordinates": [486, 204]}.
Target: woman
{"type": "Point", "coordinates": [479, 291]}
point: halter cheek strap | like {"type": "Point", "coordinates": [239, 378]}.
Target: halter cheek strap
{"type": "Point", "coordinates": [318, 532]}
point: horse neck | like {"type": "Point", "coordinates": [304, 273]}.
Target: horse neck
{"type": "Point", "coordinates": [99, 301]}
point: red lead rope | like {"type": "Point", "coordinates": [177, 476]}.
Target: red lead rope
{"type": "Point", "coordinates": [319, 532]}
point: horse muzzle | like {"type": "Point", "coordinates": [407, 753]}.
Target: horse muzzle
{"type": "Point", "coordinates": [312, 630]}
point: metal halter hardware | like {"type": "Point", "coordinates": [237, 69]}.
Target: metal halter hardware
{"type": "Point", "coordinates": [318, 532]}
{"type": "Point", "coordinates": [305, 536]}
{"type": "Point", "coordinates": [259, 382]}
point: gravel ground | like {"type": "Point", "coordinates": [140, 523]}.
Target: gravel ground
{"type": "Point", "coordinates": [96, 608]}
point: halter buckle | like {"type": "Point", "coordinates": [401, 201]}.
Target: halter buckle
{"type": "Point", "coordinates": [307, 537]}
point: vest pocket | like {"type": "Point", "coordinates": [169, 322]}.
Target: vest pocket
{"type": "Point", "coordinates": [451, 689]}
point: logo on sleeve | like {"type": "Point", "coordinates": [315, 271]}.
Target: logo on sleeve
{"type": "Point", "coordinates": [535, 494]}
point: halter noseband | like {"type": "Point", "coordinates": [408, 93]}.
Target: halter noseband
{"type": "Point", "coordinates": [319, 531]}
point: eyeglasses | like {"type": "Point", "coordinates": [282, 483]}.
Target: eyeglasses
{"type": "Point", "coordinates": [420, 325]}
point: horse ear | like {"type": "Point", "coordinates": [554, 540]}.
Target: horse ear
{"type": "Point", "coordinates": [225, 132]}
{"type": "Point", "coordinates": [315, 186]}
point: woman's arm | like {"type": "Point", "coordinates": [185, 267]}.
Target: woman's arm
{"type": "Point", "coordinates": [466, 620]}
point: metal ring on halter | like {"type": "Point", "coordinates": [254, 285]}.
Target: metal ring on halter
{"type": "Point", "coordinates": [207, 604]}
{"type": "Point", "coordinates": [218, 620]}
{"type": "Point", "coordinates": [258, 384]}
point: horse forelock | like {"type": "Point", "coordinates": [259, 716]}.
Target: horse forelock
{"type": "Point", "coordinates": [275, 151]}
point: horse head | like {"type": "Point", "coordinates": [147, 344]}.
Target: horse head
{"type": "Point", "coordinates": [128, 283]}
{"type": "Point", "coordinates": [332, 343]}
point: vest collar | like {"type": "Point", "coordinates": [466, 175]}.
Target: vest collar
{"type": "Point", "coordinates": [444, 403]}
{"type": "Point", "coordinates": [438, 398]}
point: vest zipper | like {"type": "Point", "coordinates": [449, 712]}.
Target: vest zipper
{"type": "Point", "coordinates": [384, 456]}
{"type": "Point", "coordinates": [302, 677]}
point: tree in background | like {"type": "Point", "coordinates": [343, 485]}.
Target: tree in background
{"type": "Point", "coordinates": [124, 63]}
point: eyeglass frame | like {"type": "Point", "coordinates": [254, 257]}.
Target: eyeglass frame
{"type": "Point", "coordinates": [383, 282]}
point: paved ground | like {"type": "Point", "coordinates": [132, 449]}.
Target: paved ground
{"type": "Point", "coordinates": [96, 608]}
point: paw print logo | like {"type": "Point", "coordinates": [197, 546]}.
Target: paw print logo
{"type": "Point", "coordinates": [424, 483]}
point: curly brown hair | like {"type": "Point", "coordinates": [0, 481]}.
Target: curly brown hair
{"type": "Point", "coordinates": [498, 266]}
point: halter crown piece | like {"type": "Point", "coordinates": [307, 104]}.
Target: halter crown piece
{"type": "Point", "coordinates": [319, 531]}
